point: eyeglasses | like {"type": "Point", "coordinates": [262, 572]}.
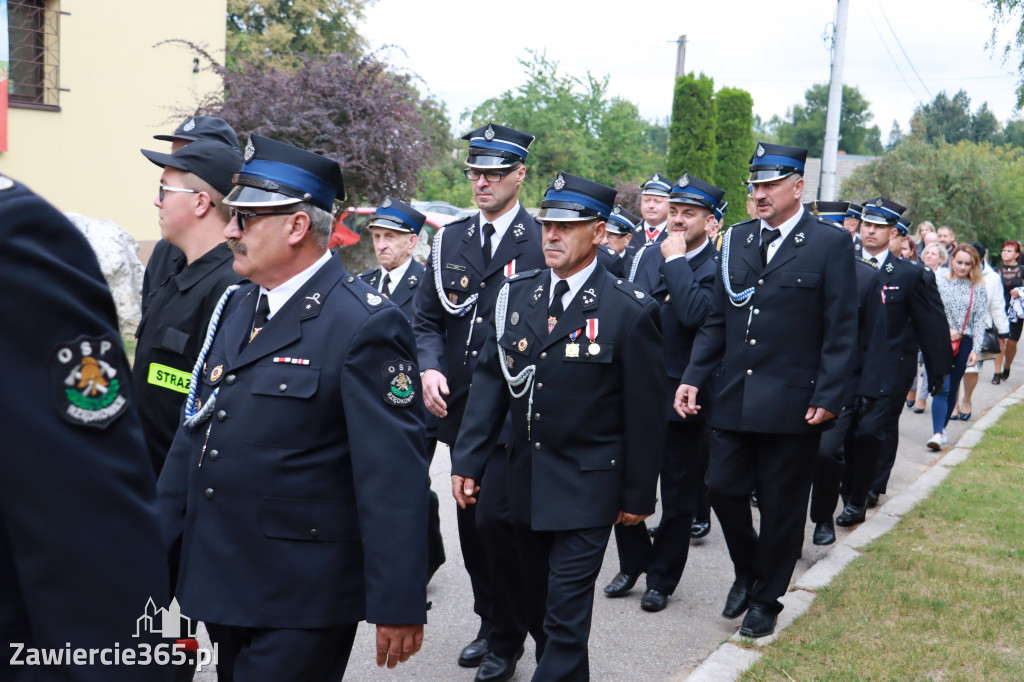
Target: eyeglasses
{"type": "Point", "coordinates": [164, 189]}
{"type": "Point", "coordinates": [472, 174]}
{"type": "Point", "coordinates": [242, 216]}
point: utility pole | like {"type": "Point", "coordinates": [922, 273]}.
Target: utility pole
{"type": "Point", "coordinates": [830, 153]}
{"type": "Point", "coordinates": [681, 57]}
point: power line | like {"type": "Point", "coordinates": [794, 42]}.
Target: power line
{"type": "Point", "coordinates": [902, 50]}
{"type": "Point", "coordinates": [892, 58]}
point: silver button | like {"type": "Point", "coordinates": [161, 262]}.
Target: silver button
{"type": "Point", "coordinates": [536, 446]}
{"type": "Point", "coordinates": [750, 372]}
{"type": "Point", "coordinates": [222, 415]}
{"type": "Point", "coordinates": [475, 353]}
{"type": "Point", "coordinates": [799, 280]}
{"type": "Point", "coordinates": [613, 462]}
{"type": "Point", "coordinates": [753, 342]}
{"type": "Point", "coordinates": [760, 281]}
{"type": "Point", "coordinates": [350, 279]}
{"type": "Point", "coordinates": [214, 455]}
{"type": "Point", "coordinates": [544, 355]}
{"type": "Point", "coordinates": [483, 285]}
{"type": "Point", "coordinates": [283, 388]}
{"type": "Point", "coordinates": [540, 386]}
{"type": "Point", "coordinates": [479, 320]}
{"type": "Point", "coordinates": [209, 493]}
{"type": "Point", "coordinates": [230, 379]}
{"type": "Point", "coordinates": [536, 416]}
{"type": "Point", "coordinates": [313, 532]}
{"type": "Point", "coordinates": [757, 311]}
{"type": "Point", "coordinates": [618, 281]}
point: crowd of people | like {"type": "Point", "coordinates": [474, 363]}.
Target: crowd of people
{"type": "Point", "coordinates": [265, 461]}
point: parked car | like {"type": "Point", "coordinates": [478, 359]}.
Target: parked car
{"type": "Point", "coordinates": [436, 207]}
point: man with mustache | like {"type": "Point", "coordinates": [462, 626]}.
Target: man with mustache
{"type": "Point", "coordinates": [783, 327]}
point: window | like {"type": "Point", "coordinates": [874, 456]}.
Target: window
{"type": "Point", "coordinates": [33, 28]}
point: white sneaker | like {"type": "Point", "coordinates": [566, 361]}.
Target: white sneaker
{"type": "Point", "coordinates": [935, 442]}
{"type": "Point", "coordinates": [945, 438]}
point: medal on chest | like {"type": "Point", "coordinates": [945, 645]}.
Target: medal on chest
{"type": "Point", "coordinates": [572, 349]}
{"type": "Point", "coordinates": [593, 348]}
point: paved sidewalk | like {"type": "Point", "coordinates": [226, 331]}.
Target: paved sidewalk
{"type": "Point", "coordinates": [629, 644]}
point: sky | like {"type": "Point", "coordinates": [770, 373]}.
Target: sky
{"type": "Point", "coordinates": [899, 53]}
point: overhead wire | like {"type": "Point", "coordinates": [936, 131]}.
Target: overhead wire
{"type": "Point", "coordinates": [891, 29]}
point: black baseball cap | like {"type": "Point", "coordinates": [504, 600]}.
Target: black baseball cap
{"type": "Point", "coordinates": [214, 162]}
{"type": "Point", "coordinates": [203, 128]}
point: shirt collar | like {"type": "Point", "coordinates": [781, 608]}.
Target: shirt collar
{"type": "Point", "coordinates": [786, 227]}
{"type": "Point", "coordinates": [501, 225]}
{"type": "Point", "coordinates": [576, 283]}
{"type": "Point", "coordinates": [278, 296]}
{"type": "Point", "coordinates": [690, 254]}
{"type": "Point", "coordinates": [880, 257]}
{"type": "Point", "coordinates": [396, 275]}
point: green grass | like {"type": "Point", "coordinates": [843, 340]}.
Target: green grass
{"type": "Point", "coordinates": [941, 597]}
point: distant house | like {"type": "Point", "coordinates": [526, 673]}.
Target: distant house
{"type": "Point", "coordinates": [844, 167]}
{"type": "Point", "coordinates": [90, 84]}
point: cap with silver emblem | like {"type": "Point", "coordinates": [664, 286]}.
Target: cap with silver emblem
{"type": "Point", "coordinates": [882, 211]}
{"type": "Point", "coordinates": [775, 161]}
{"type": "Point", "coordinates": [278, 174]}
{"type": "Point", "coordinates": [621, 221]}
{"type": "Point", "coordinates": [570, 198]}
{"type": "Point", "coordinates": [495, 146]}
{"type": "Point", "coordinates": [656, 185]}
{"type": "Point", "coordinates": [397, 215]}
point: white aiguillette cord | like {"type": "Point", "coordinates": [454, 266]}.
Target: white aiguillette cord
{"type": "Point", "coordinates": [525, 378]}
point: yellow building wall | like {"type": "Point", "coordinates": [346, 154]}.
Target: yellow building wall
{"type": "Point", "coordinates": [121, 90]}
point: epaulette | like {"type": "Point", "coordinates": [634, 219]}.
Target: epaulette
{"type": "Point", "coordinates": [865, 261]}
{"type": "Point", "coordinates": [367, 273]}
{"type": "Point", "coordinates": [743, 223]}
{"type": "Point", "coordinates": [632, 292]}
{"type": "Point", "coordinates": [457, 223]}
{"type": "Point", "coordinates": [525, 275]}
{"type": "Point", "coordinates": [364, 293]}
{"type": "Point", "coordinates": [829, 223]}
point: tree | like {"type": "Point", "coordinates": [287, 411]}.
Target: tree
{"type": "Point", "coordinates": [346, 107]}
{"type": "Point", "coordinates": [1010, 12]}
{"type": "Point", "coordinates": [578, 129]}
{"type": "Point", "coordinates": [691, 135]}
{"type": "Point", "coordinates": [978, 189]}
{"type": "Point", "coordinates": [804, 126]}
{"type": "Point", "coordinates": [945, 118]}
{"type": "Point", "coordinates": [278, 30]}
{"type": "Point", "coordinates": [734, 138]}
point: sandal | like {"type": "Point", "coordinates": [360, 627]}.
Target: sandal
{"type": "Point", "coordinates": [1006, 374]}
{"type": "Point", "coordinates": [997, 378]}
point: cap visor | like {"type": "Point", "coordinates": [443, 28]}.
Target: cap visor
{"type": "Point", "coordinates": [878, 220]}
{"type": "Point", "coordinates": [768, 175]}
{"type": "Point", "coordinates": [389, 224]}
{"type": "Point", "coordinates": [564, 215]}
{"type": "Point", "coordinates": [243, 196]}
{"type": "Point", "coordinates": [159, 158]}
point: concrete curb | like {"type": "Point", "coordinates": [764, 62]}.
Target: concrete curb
{"type": "Point", "coordinates": [730, 661]}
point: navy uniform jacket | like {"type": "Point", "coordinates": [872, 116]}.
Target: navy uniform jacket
{"type": "Point", "coordinates": [610, 259]}
{"type": "Point", "coordinates": [915, 319]}
{"type": "Point", "coordinates": [403, 294]}
{"type": "Point", "coordinates": [170, 337]}
{"type": "Point", "coordinates": [80, 549]}
{"type": "Point", "coordinates": [307, 510]}
{"type": "Point", "coordinates": [871, 375]}
{"type": "Point", "coordinates": [593, 443]}
{"type": "Point", "coordinates": [443, 338]}
{"type": "Point", "coordinates": [793, 344]}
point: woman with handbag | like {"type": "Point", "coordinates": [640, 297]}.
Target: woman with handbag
{"type": "Point", "coordinates": [1012, 274]}
{"type": "Point", "coordinates": [966, 304]}
{"type": "Point", "coordinates": [997, 329]}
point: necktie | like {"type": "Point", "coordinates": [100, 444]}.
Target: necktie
{"type": "Point", "coordinates": [385, 287]}
{"type": "Point", "coordinates": [488, 233]}
{"type": "Point", "coordinates": [556, 308]}
{"type": "Point", "coordinates": [767, 237]}
{"type": "Point", "coordinates": [262, 313]}
{"type": "Point", "coordinates": [874, 261]}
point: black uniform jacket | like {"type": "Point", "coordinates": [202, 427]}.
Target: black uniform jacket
{"type": "Point", "coordinates": [80, 549]}
{"type": "Point", "coordinates": [792, 344]}
{"type": "Point", "coordinates": [915, 319]}
{"type": "Point", "coordinates": [300, 503]}
{"type": "Point", "coordinates": [170, 337]}
{"type": "Point", "coordinates": [440, 335]}
{"type": "Point", "coordinates": [870, 376]}
{"type": "Point", "coordinates": [403, 294]}
{"type": "Point", "coordinates": [592, 444]}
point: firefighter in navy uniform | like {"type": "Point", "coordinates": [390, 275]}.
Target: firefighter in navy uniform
{"type": "Point", "coordinates": [468, 261]}
{"type": "Point", "coordinates": [297, 484]}
{"type": "Point", "coordinates": [680, 275]}
{"type": "Point", "coordinates": [650, 231]}
{"type": "Point", "coordinates": [580, 352]}
{"type": "Point", "coordinates": [192, 218]}
{"type": "Point", "coordinates": [80, 549]}
{"type": "Point", "coordinates": [619, 230]}
{"type": "Point", "coordinates": [783, 326]}
{"type": "Point", "coordinates": [395, 227]}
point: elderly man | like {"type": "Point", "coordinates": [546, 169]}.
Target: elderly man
{"type": "Point", "coordinates": [651, 230]}
{"type": "Point", "coordinates": [192, 217]}
{"type": "Point", "coordinates": [568, 343]}
{"type": "Point", "coordinates": [297, 485]}
{"type": "Point", "coordinates": [776, 390]}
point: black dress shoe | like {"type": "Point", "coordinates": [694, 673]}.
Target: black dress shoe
{"type": "Point", "coordinates": [824, 533]}
{"type": "Point", "coordinates": [495, 668]}
{"type": "Point", "coordinates": [851, 516]}
{"type": "Point", "coordinates": [654, 601]}
{"type": "Point", "coordinates": [473, 653]}
{"type": "Point", "coordinates": [620, 585]}
{"type": "Point", "coordinates": [759, 622]}
{"type": "Point", "coordinates": [872, 499]}
{"type": "Point", "coordinates": [736, 601]}
{"type": "Point", "coordinates": [700, 528]}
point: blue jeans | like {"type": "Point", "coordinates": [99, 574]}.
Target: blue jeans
{"type": "Point", "coordinates": [942, 404]}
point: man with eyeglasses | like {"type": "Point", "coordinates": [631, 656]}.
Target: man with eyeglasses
{"type": "Point", "coordinates": [297, 485]}
{"type": "Point", "coordinates": [192, 216]}
{"type": "Point", "coordinates": [469, 260]}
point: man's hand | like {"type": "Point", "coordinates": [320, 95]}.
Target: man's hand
{"type": "Point", "coordinates": [464, 490]}
{"type": "Point", "coordinates": [935, 385]}
{"type": "Point", "coordinates": [630, 519]}
{"type": "Point", "coordinates": [817, 415]}
{"type": "Point", "coordinates": [398, 643]}
{"type": "Point", "coordinates": [434, 386]}
{"type": "Point", "coordinates": [686, 400]}
{"type": "Point", "coordinates": [674, 244]}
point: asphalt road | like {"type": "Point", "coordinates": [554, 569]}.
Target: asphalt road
{"type": "Point", "coordinates": [627, 643]}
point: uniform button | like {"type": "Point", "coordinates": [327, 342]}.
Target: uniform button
{"type": "Point", "coordinates": [483, 285]}
{"type": "Point", "coordinates": [475, 353]}
{"type": "Point", "coordinates": [536, 446]}
{"type": "Point", "coordinates": [230, 379]}
{"type": "Point", "coordinates": [222, 415]}
{"type": "Point", "coordinates": [314, 533]}
{"type": "Point", "coordinates": [350, 279]}
{"type": "Point", "coordinates": [544, 355]}
{"type": "Point", "coordinates": [750, 372]}
{"type": "Point", "coordinates": [618, 281]}
{"type": "Point", "coordinates": [479, 320]}
{"type": "Point", "coordinates": [536, 416]}
{"type": "Point", "coordinates": [214, 455]}
{"type": "Point", "coordinates": [757, 311]}
{"type": "Point", "coordinates": [799, 280]}
{"type": "Point", "coordinates": [540, 387]}
{"type": "Point", "coordinates": [283, 388]}
{"type": "Point", "coordinates": [613, 462]}
{"type": "Point", "coordinates": [760, 281]}
{"type": "Point", "coordinates": [209, 493]}
{"type": "Point", "coordinates": [753, 342]}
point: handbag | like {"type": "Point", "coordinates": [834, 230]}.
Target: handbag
{"type": "Point", "coordinates": [956, 344]}
{"type": "Point", "coordinates": [989, 345]}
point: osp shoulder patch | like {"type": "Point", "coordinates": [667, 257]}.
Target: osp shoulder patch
{"type": "Point", "coordinates": [398, 383]}
{"type": "Point", "coordinates": [87, 376]}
